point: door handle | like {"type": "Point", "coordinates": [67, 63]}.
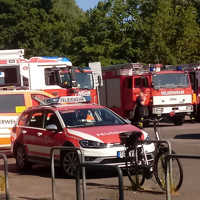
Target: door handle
{"type": "Point", "coordinates": [24, 131]}
{"type": "Point", "coordinates": [39, 134]}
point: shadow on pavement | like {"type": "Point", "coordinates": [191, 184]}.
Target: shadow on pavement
{"type": "Point", "coordinates": [193, 136]}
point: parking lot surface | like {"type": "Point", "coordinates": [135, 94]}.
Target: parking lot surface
{"type": "Point", "coordinates": [36, 184]}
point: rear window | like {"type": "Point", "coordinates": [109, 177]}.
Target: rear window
{"type": "Point", "coordinates": [12, 103]}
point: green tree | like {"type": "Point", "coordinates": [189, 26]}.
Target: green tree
{"type": "Point", "coordinates": [170, 32]}
{"type": "Point", "coordinates": [105, 35]}
{"type": "Point", "coordinates": [41, 27]}
{"type": "Point", "coordinates": [21, 23]}
{"type": "Point", "coordinates": [188, 34]}
{"type": "Point", "coordinates": [160, 31]}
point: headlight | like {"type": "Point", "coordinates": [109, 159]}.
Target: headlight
{"type": "Point", "coordinates": [146, 136]}
{"type": "Point", "coordinates": [92, 144]}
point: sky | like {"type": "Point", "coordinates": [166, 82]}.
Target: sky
{"type": "Point", "coordinates": [86, 4]}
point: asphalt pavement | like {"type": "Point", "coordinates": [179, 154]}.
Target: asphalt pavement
{"type": "Point", "coordinates": [36, 183]}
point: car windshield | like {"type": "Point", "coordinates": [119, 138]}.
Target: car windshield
{"type": "Point", "coordinates": [90, 117]}
{"type": "Point", "coordinates": [170, 80]}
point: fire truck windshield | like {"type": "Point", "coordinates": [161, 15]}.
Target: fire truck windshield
{"type": "Point", "coordinates": [65, 78]}
{"type": "Point", "coordinates": [170, 80]}
{"type": "Point", "coordinates": [84, 80]}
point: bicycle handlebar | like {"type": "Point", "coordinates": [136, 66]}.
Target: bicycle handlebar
{"type": "Point", "coordinates": [130, 138]}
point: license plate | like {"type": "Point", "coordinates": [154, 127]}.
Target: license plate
{"type": "Point", "coordinates": [122, 154]}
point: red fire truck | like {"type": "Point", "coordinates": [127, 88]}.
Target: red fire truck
{"type": "Point", "coordinates": [55, 75]}
{"type": "Point", "coordinates": [194, 74]}
{"type": "Point", "coordinates": [128, 87]}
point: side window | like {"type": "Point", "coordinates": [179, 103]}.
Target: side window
{"type": "Point", "coordinates": [51, 118]}
{"type": "Point", "coordinates": [36, 120]}
{"type": "Point", "coordinates": [23, 119]}
{"type": "Point", "coordinates": [25, 81]}
{"type": "Point", "coordinates": [129, 83]}
{"type": "Point", "coordinates": [145, 82]}
{"type": "Point", "coordinates": [12, 103]}
{"type": "Point", "coordinates": [137, 82]}
{"type": "Point", "coordinates": [50, 77]}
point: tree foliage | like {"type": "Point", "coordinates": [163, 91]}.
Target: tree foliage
{"type": "Point", "coordinates": [115, 31]}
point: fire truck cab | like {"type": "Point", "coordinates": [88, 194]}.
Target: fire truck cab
{"type": "Point", "coordinates": [194, 74]}
{"type": "Point", "coordinates": [132, 89]}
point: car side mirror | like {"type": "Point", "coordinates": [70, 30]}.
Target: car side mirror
{"type": "Point", "coordinates": [52, 127]}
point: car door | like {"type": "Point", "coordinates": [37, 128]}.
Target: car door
{"type": "Point", "coordinates": [34, 135]}
{"type": "Point", "coordinates": [53, 138]}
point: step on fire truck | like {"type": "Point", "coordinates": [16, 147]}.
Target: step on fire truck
{"type": "Point", "coordinates": [161, 92]}
{"type": "Point", "coordinates": [55, 75]}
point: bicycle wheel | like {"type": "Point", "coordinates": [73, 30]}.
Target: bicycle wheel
{"type": "Point", "coordinates": [160, 171]}
{"type": "Point", "coordinates": [135, 173]}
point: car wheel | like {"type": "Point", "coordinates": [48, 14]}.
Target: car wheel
{"type": "Point", "coordinates": [69, 163]}
{"type": "Point", "coordinates": [21, 158]}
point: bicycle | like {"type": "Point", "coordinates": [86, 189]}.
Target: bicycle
{"type": "Point", "coordinates": [160, 165]}
{"type": "Point", "coordinates": [138, 166]}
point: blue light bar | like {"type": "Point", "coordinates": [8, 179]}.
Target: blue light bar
{"type": "Point", "coordinates": [62, 59]}
{"type": "Point", "coordinates": [179, 68]}
{"type": "Point", "coordinates": [151, 69]}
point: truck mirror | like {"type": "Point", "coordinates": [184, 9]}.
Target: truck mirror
{"type": "Point", "coordinates": [99, 81]}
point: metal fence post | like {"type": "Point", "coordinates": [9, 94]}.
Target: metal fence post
{"type": "Point", "coordinates": [119, 171]}
{"type": "Point", "coordinates": [5, 174]}
{"type": "Point", "coordinates": [53, 170]}
{"type": "Point", "coordinates": [168, 159]}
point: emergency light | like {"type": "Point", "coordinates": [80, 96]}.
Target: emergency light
{"type": "Point", "coordinates": [179, 68]}
{"type": "Point", "coordinates": [68, 99]}
{"type": "Point", "coordinates": [155, 68]}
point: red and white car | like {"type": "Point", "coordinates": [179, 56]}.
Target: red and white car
{"type": "Point", "coordinates": [94, 129]}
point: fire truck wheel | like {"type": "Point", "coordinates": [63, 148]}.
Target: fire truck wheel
{"type": "Point", "coordinates": [69, 162]}
{"type": "Point", "coordinates": [178, 121]}
{"type": "Point", "coordinates": [21, 159]}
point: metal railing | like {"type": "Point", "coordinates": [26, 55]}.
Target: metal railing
{"type": "Point", "coordinates": [169, 164]}
{"type": "Point", "coordinates": [52, 153]}
{"type": "Point", "coordinates": [104, 166]}
{"type": "Point", "coordinates": [82, 167]}
{"type": "Point", "coordinates": [5, 174]}
{"type": "Point", "coordinates": [168, 158]}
